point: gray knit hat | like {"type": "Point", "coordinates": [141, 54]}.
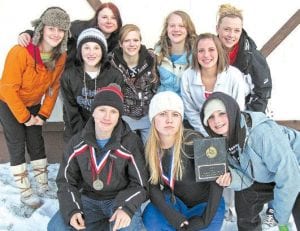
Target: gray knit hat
{"type": "Point", "coordinates": [91, 35]}
{"type": "Point", "coordinates": [52, 16]}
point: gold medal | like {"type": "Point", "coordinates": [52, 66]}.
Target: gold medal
{"type": "Point", "coordinates": [98, 184]}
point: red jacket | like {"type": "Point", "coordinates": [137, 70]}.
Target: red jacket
{"type": "Point", "coordinates": [26, 80]}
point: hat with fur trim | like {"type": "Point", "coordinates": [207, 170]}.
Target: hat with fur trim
{"type": "Point", "coordinates": [91, 35]}
{"type": "Point", "coordinates": [110, 95]}
{"type": "Point", "coordinates": [52, 16]}
{"type": "Point", "coordinates": [212, 106]}
{"type": "Point", "coordinates": [163, 101]}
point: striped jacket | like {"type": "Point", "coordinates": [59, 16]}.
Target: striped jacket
{"type": "Point", "coordinates": [122, 170]}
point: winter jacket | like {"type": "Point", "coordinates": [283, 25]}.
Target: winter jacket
{"type": "Point", "coordinates": [229, 81]}
{"type": "Point", "coordinates": [187, 189]}
{"type": "Point", "coordinates": [124, 174]}
{"type": "Point", "coordinates": [257, 73]}
{"type": "Point", "coordinates": [77, 100]}
{"type": "Point", "coordinates": [139, 87]}
{"type": "Point", "coordinates": [170, 72]}
{"type": "Point", "coordinates": [27, 82]}
{"type": "Point", "coordinates": [271, 153]}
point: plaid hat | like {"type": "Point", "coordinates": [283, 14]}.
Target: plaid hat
{"type": "Point", "coordinates": [166, 100]}
{"type": "Point", "coordinates": [109, 96]}
{"type": "Point", "coordinates": [52, 16]}
{"type": "Point", "coordinates": [92, 35]}
{"type": "Point", "coordinates": [211, 107]}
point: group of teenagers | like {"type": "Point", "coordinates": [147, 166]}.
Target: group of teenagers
{"type": "Point", "coordinates": [131, 116]}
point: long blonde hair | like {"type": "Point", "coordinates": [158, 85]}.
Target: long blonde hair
{"type": "Point", "coordinates": [164, 41]}
{"type": "Point", "coordinates": [153, 150]}
{"type": "Point", "coordinates": [227, 10]}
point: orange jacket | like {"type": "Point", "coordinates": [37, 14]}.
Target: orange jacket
{"type": "Point", "coordinates": [25, 81]}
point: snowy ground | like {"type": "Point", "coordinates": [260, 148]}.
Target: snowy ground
{"type": "Point", "coordinates": [16, 217]}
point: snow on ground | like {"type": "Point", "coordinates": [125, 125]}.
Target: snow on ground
{"type": "Point", "coordinates": [14, 216]}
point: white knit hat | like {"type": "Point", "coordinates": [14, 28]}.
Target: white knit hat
{"type": "Point", "coordinates": [92, 35]}
{"type": "Point", "coordinates": [163, 101]}
{"type": "Point", "coordinates": [212, 106]}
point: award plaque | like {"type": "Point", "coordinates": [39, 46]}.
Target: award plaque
{"type": "Point", "coordinates": [210, 158]}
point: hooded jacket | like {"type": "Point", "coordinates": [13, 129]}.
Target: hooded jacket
{"type": "Point", "coordinates": [262, 151]}
{"type": "Point", "coordinates": [124, 173]}
{"type": "Point", "coordinates": [138, 89]}
{"type": "Point", "coordinates": [254, 66]}
{"type": "Point", "coordinates": [77, 100]}
{"type": "Point", "coordinates": [187, 189]}
{"type": "Point", "coordinates": [27, 82]}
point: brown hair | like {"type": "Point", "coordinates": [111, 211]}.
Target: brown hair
{"type": "Point", "coordinates": [222, 63]}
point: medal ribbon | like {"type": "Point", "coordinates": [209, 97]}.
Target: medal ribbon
{"type": "Point", "coordinates": [97, 168]}
{"type": "Point", "coordinates": [168, 180]}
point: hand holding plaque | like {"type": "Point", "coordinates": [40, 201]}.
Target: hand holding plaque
{"type": "Point", "coordinates": [210, 158]}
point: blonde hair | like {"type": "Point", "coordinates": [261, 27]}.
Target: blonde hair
{"type": "Point", "coordinates": [153, 150]}
{"type": "Point", "coordinates": [227, 10]}
{"type": "Point", "coordinates": [128, 28]}
{"type": "Point", "coordinates": [222, 63]}
{"type": "Point", "coordinates": [164, 42]}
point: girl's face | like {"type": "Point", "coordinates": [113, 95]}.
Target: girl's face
{"type": "Point", "coordinates": [106, 118]}
{"type": "Point", "coordinates": [107, 22]}
{"type": "Point", "coordinates": [52, 37]}
{"type": "Point", "coordinates": [131, 44]}
{"type": "Point", "coordinates": [229, 31]}
{"type": "Point", "coordinates": [218, 123]}
{"type": "Point", "coordinates": [91, 53]}
{"type": "Point", "coordinates": [167, 123]}
{"type": "Point", "coordinates": [207, 53]}
{"type": "Point", "coordinates": [176, 30]}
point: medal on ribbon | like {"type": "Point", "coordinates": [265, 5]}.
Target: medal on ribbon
{"type": "Point", "coordinates": [97, 168]}
{"type": "Point", "coordinates": [169, 180]}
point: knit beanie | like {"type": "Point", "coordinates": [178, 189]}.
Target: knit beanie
{"type": "Point", "coordinates": [53, 16]}
{"type": "Point", "coordinates": [211, 107]}
{"type": "Point", "coordinates": [91, 35]}
{"type": "Point", "coordinates": [110, 95]}
{"type": "Point", "coordinates": [163, 101]}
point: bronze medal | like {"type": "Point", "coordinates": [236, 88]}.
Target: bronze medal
{"type": "Point", "coordinates": [98, 184]}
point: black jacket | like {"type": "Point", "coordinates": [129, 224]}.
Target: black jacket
{"type": "Point", "coordinates": [139, 87]}
{"type": "Point", "coordinates": [77, 100]}
{"type": "Point", "coordinates": [188, 190]}
{"type": "Point", "coordinates": [250, 61]}
{"type": "Point", "coordinates": [124, 174]}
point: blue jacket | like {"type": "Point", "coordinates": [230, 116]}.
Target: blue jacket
{"type": "Point", "coordinates": [170, 72]}
{"type": "Point", "coordinates": [271, 154]}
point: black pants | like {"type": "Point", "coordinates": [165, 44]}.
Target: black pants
{"type": "Point", "coordinates": [18, 135]}
{"type": "Point", "coordinates": [250, 202]}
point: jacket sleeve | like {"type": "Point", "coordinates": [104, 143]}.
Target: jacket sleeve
{"type": "Point", "coordinates": [68, 181]}
{"type": "Point", "coordinates": [261, 79]}
{"type": "Point", "coordinates": [11, 83]}
{"type": "Point", "coordinates": [131, 198]}
{"type": "Point", "coordinates": [73, 118]}
{"type": "Point", "coordinates": [157, 197]}
{"type": "Point", "coordinates": [213, 203]}
{"type": "Point", "coordinates": [280, 160]}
